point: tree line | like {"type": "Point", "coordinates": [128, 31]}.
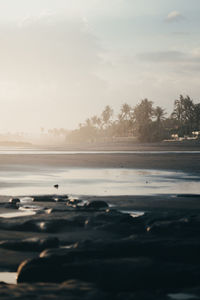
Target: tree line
{"type": "Point", "coordinates": [144, 121]}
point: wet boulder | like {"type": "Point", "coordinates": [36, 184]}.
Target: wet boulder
{"type": "Point", "coordinates": [61, 198]}
{"type": "Point", "coordinates": [14, 200]}
{"type": "Point", "coordinates": [119, 275]}
{"type": "Point", "coordinates": [116, 222]}
{"type": "Point", "coordinates": [31, 244]}
{"type": "Point", "coordinates": [73, 202]}
{"type": "Point", "coordinates": [59, 225]}
{"type": "Point", "coordinates": [105, 273]}
{"type": "Point", "coordinates": [170, 227]}
{"type": "Point", "coordinates": [45, 198]}
{"type": "Point", "coordinates": [96, 205]}
{"type": "Point", "coordinates": [11, 205]}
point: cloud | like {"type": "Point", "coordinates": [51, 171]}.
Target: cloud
{"type": "Point", "coordinates": [162, 56]}
{"type": "Point", "coordinates": [174, 16]}
{"type": "Point", "coordinates": [172, 61]}
{"type": "Point", "coordinates": [192, 56]}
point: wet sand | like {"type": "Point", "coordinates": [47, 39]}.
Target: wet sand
{"type": "Point", "coordinates": [187, 162]}
{"type": "Point", "coordinates": [172, 161]}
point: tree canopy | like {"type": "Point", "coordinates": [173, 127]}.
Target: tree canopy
{"type": "Point", "coordinates": [144, 121]}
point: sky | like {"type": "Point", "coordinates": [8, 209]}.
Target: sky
{"type": "Point", "coordinates": [63, 61]}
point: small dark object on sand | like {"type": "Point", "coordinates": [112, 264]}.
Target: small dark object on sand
{"type": "Point", "coordinates": [56, 186]}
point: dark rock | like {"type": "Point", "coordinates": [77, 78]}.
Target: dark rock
{"type": "Point", "coordinates": [96, 205]}
{"type": "Point", "coordinates": [102, 272]}
{"type": "Point", "coordinates": [14, 200]}
{"type": "Point", "coordinates": [188, 195]}
{"type": "Point", "coordinates": [43, 199]}
{"type": "Point", "coordinates": [42, 223]}
{"type": "Point", "coordinates": [182, 227]}
{"type": "Point", "coordinates": [116, 222]}
{"type": "Point", "coordinates": [60, 198]}
{"type": "Point", "coordinates": [57, 209]}
{"type": "Point", "coordinates": [74, 202]}
{"type": "Point", "coordinates": [113, 274]}
{"type": "Point", "coordinates": [71, 289]}
{"type": "Point", "coordinates": [11, 205]}
{"type": "Point", "coordinates": [32, 244]}
{"type": "Point", "coordinates": [173, 250]}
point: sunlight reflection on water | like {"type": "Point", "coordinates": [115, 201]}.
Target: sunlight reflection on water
{"type": "Point", "coordinates": [99, 181]}
{"type": "Point", "coordinates": [30, 151]}
{"type": "Point", "coordinates": [8, 277]}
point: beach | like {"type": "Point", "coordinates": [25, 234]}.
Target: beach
{"type": "Point", "coordinates": [103, 245]}
{"type": "Point", "coordinates": [177, 160]}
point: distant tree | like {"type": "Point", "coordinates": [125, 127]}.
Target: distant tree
{"type": "Point", "coordinates": [107, 115]}
{"type": "Point", "coordinates": [143, 112]}
{"type": "Point", "coordinates": [184, 114]}
{"type": "Point", "coordinates": [197, 117]}
{"type": "Point", "coordinates": [125, 113]}
{"type": "Point", "coordinates": [94, 120]}
{"type": "Point", "coordinates": [99, 122]}
{"type": "Point", "coordinates": [142, 116]}
{"type": "Point", "coordinates": [146, 122]}
{"type": "Point", "coordinates": [125, 120]}
{"type": "Point", "coordinates": [159, 113]}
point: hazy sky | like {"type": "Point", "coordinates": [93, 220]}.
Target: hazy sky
{"type": "Point", "coordinates": [62, 61]}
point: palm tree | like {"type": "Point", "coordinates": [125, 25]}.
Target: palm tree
{"type": "Point", "coordinates": [99, 123]}
{"type": "Point", "coordinates": [107, 115]}
{"type": "Point", "coordinates": [125, 120]}
{"type": "Point", "coordinates": [94, 120]}
{"type": "Point", "coordinates": [184, 114]}
{"type": "Point", "coordinates": [142, 117]}
{"type": "Point", "coordinates": [125, 112]}
{"type": "Point", "coordinates": [197, 116]}
{"type": "Point", "coordinates": [159, 113]}
{"type": "Point", "coordinates": [143, 112]}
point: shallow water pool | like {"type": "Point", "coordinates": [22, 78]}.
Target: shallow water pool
{"type": "Point", "coordinates": [8, 277]}
{"type": "Point", "coordinates": [96, 181]}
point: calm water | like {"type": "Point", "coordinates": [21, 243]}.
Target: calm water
{"type": "Point", "coordinates": [8, 277]}
{"type": "Point", "coordinates": [96, 181]}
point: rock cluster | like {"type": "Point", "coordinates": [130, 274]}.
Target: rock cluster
{"type": "Point", "coordinates": [109, 252]}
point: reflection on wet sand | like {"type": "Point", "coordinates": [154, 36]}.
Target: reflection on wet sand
{"type": "Point", "coordinates": [97, 181]}
{"type": "Point", "coordinates": [17, 214]}
{"type": "Point", "coordinates": [8, 277]}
